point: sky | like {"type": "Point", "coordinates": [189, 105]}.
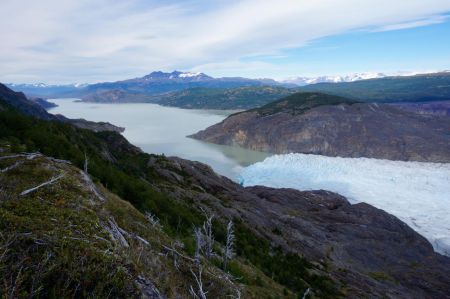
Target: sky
{"type": "Point", "coordinates": [86, 41]}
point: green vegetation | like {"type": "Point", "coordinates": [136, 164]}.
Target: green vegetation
{"type": "Point", "coordinates": [300, 102]}
{"type": "Point", "coordinates": [123, 170]}
{"type": "Point", "coordinates": [289, 269]}
{"type": "Point", "coordinates": [199, 97]}
{"type": "Point", "coordinates": [220, 98]}
{"type": "Point", "coordinates": [427, 87]}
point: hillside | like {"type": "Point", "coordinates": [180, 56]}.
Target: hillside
{"type": "Point", "coordinates": [229, 98]}
{"type": "Point", "coordinates": [418, 88]}
{"type": "Point", "coordinates": [84, 241]}
{"type": "Point", "coordinates": [199, 97]}
{"type": "Point", "coordinates": [301, 102]}
{"type": "Point", "coordinates": [36, 108]}
{"type": "Point", "coordinates": [329, 125]}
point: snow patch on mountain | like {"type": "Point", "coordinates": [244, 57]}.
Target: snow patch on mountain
{"type": "Point", "coordinates": [417, 193]}
{"type": "Point", "coordinates": [43, 85]}
{"type": "Point", "coordinates": [333, 79]}
{"type": "Point", "coordinates": [189, 75]}
{"type": "Point", "coordinates": [351, 77]}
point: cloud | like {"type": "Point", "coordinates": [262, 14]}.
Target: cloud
{"type": "Point", "coordinates": [80, 40]}
{"type": "Point", "coordinates": [419, 23]}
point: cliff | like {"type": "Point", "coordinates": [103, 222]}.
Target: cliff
{"type": "Point", "coordinates": [333, 126]}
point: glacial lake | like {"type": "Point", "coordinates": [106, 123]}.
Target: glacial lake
{"type": "Point", "coordinates": [163, 130]}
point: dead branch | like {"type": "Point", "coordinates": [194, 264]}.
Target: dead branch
{"type": "Point", "coordinates": [59, 160]}
{"type": "Point", "coordinates": [116, 232]}
{"type": "Point", "coordinates": [12, 156]}
{"type": "Point", "coordinates": [154, 221]}
{"type": "Point", "coordinates": [86, 162]}
{"type": "Point", "coordinates": [306, 293]}
{"type": "Point", "coordinates": [200, 293]}
{"type": "Point", "coordinates": [49, 182]}
{"type": "Point", "coordinates": [208, 235]}
{"type": "Point", "coordinates": [18, 163]}
{"type": "Point", "coordinates": [229, 245]}
{"type": "Point", "coordinates": [91, 185]}
{"type": "Point", "coordinates": [31, 156]}
{"type": "Point", "coordinates": [174, 251]}
{"type": "Point", "coordinates": [199, 243]}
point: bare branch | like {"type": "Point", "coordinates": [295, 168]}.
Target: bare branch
{"type": "Point", "coordinates": [18, 163]}
{"type": "Point", "coordinates": [174, 251]}
{"type": "Point", "coordinates": [306, 293]}
{"type": "Point", "coordinates": [58, 160]}
{"type": "Point", "coordinates": [91, 185]}
{"type": "Point", "coordinates": [116, 232]}
{"type": "Point", "coordinates": [154, 221]}
{"type": "Point", "coordinates": [208, 235]}
{"type": "Point", "coordinates": [29, 156]}
{"type": "Point", "coordinates": [229, 245]}
{"type": "Point", "coordinates": [200, 293]}
{"type": "Point", "coordinates": [51, 181]}
{"type": "Point", "coordinates": [12, 156]}
{"type": "Point", "coordinates": [199, 243]}
{"type": "Point", "coordinates": [86, 162]}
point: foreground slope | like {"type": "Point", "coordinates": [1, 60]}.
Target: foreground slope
{"type": "Point", "coordinates": [286, 241]}
{"type": "Point", "coordinates": [329, 125]}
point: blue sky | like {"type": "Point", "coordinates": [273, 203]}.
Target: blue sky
{"type": "Point", "coordinates": [68, 41]}
{"type": "Point", "coordinates": [425, 48]}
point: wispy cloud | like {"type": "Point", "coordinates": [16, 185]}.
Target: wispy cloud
{"type": "Point", "coordinates": [418, 23]}
{"type": "Point", "coordinates": [82, 40]}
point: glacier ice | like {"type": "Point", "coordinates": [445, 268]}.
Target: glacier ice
{"type": "Point", "coordinates": [417, 193]}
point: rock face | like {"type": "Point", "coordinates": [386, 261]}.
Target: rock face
{"type": "Point", "coordinates": [91, 125]}
{"type": "Point", "coordinates": [348, 130]}
{"type": "Point", "coordinates": [43, 103]}
{"type": "Point", "coordinates": [370, 252]}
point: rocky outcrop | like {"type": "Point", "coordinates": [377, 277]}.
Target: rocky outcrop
{"type": "Point", "coordinates": [348, 130]}
{"type": "Point", "coordinates": [369, 252]}
{"type": "Point", "coordinates": [43, 103]}
{"type": "Point", "coordinates": [90, 125]}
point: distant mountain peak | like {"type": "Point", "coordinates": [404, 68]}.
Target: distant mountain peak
{"type": "Point", "coordinates": [176, 75]}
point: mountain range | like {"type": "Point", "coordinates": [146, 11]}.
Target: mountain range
{"type": "Point", "coordinates": [154, 83]}
{"type": "Point", "coordinates": [200, 91]}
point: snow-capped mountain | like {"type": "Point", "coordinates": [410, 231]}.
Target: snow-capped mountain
{"type": "Point", "coordinates": [333, 79]}
{"type": "Point", "coordinates": [175, 75]}
{"type": "Point", "coordinates": [301, 81]}
{"type": "Point", "coordinates": [43, 85]}
{"type": "Point", "coordinates": [46, 90]}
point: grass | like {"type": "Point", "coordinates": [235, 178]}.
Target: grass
{"type": "Point", "coordinates": [300, 102]}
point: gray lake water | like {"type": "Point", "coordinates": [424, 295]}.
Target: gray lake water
{"type": "Point", "coordinates": [163, 130]}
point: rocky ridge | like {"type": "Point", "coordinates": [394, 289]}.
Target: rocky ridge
{"type": "Point", "coordinates": [316, 123]}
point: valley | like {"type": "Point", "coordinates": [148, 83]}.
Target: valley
{"type": "Point", "coordinates": [276, 149]}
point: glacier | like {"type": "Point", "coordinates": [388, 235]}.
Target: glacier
{"type": "Point", "coordinates": [417, 193]}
